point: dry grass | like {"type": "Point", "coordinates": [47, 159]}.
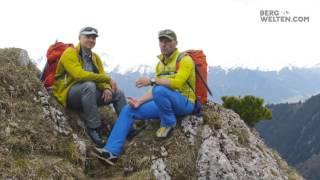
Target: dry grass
{"type": "Point", "coordinates": [29, 145]}
{"type": "Point", "coordinates": [211, 117]}
{"type": "Point", "coordinates": [137, 157]}
{"type": "Point", "coordinates": [290, 172]}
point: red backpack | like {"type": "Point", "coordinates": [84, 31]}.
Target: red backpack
{"type": "Point", "coordinates": [199, 59]}
{"type": "Point", "coordinates": [53, 56]}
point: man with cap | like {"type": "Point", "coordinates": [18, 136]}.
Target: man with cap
{"type": "Point", "coordinates": [81, 83]}
{"type": "Point", "coordinates": [172, 95]}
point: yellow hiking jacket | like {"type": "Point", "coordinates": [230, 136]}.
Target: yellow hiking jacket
{"type": "Point", "coordinates": [178, 79]}
{"type": "Point", "coordinates": [70, 70]}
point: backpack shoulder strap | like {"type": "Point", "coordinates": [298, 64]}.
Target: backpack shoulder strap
{"type": "Point", "coordinates": [43, 72]}
{"type": "Point", "coordinates": [181, 55]}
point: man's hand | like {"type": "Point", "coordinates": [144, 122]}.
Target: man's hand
{"type": "Point", "coordinates": [106, 95]}
{"type": "Point", "coordinates": [143, 81]}
{"type": "Point", "coordinates": [114, 86]}
{"type": "Point", "coordinates": [135, 103]}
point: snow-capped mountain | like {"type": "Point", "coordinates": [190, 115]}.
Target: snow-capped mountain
{"type": "Point", "coordinates": [289, 84]}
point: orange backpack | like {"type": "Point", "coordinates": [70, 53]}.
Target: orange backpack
{"type": "Point", "coordinates": [199, 59]}
{"type": "Point", "coordinates": [53, 56]}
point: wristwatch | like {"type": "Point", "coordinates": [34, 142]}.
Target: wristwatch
{"type": "Point", "coordinates": [152, 81]}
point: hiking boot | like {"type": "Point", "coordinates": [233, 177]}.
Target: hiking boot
{"type": "Point", "coordinates": [105, 155]}
{"type": "Point", "coordinates": [164, 132]}
{"type": "Point", "coordinates": [96, 137]}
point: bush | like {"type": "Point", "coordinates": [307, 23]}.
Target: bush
{"type": "Point", "coordinates": [250, 108]}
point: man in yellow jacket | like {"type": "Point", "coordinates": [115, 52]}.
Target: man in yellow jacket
{"type": "Point", "coordinates": [173, 94]}
{"type": "Point", "coordinates": [82, 84]}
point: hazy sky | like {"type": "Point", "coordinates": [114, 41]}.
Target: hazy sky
{"type": "Point", "coordinates": [229, 31]}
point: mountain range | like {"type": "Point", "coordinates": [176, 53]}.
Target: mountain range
{"type": "Point", "coordinates": [290, 84]}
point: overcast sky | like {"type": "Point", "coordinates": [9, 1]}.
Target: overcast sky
{"type": "Point", "coordinates": [229, 31]}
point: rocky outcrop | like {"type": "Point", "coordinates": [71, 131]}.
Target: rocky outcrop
{"type": "Point", "coordinates": [42, 140]}
{"type": "Point", "coordinates": [235, 152]}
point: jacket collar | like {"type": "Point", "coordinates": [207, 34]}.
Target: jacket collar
{"type": "Point", "coordinates": [78, 48]}
{"type": "Point", "coordinates": [171, 58]}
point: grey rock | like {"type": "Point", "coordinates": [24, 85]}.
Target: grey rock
{"type": "Point", "coordinates": [158, 169]}
{"type": "Point", "coordinates": [222, 156]}
{"type": "Point", "coordinates": [190, 127]}
{"type": "Point", "coordinates": [44, 101]}
{"type": "Point", "coordinates": [7, 131]}
{"type": "Point", "coordinates": [23, 59]}
{"type": "Point", "coordinates": [11, 88]}
{"type": "Point", "coordinates": [164, 152]}
{"type": "Point", "coordinates": [81, 145]}
{"type": "Point", "coordinates": [41, 94]}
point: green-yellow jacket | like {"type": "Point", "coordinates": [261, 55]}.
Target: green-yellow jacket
{"type": "Point", "coordinates": [70, 70]}
{"type": "Point", "coordinates": [178, 79]}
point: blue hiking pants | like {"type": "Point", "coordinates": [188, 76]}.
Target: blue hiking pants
{"type": "Point", "coordinates": [166, 105]}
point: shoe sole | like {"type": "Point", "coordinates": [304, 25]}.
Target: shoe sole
{"type": "Point", "coordinates": [99, 150]}
{"type": "Point", "coordinates": [102, 158]}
